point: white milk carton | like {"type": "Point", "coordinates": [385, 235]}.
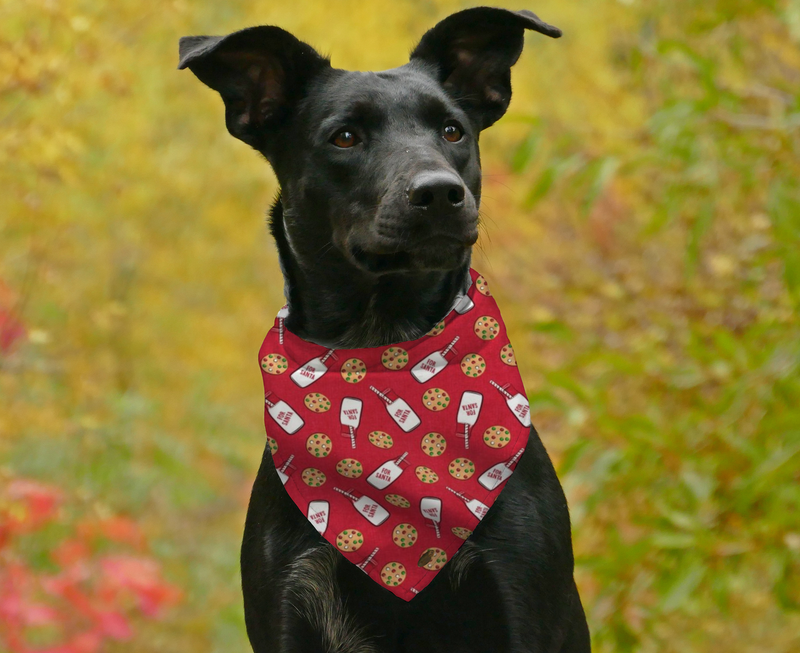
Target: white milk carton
{"type": "Point", "coordinates": [500, 472]}
{"type": "Point", "coordinates": [469, 409]}
{"type": "Point", "coordinates": [434, 362]}
{"type": "Point", "coordinates": [431, 508]}
{"type": "Point", "coordinates": [463, 304]}
{"type": "Point", "coordinates": [318, 514]}
{"type": "Point", "coordinates": [477, 508]}
{"type": "Point", "coordinates": [283, 474]}
{"type": "Point", "coordinates": [284, 415]}
{"type": "Point", "coordinates": [516, 402]}
{"type": "Point", "coordinates": [403, 415]}
{"type": "Point", "coordinates": [370, 510]}
{"type": "Point", "coordinates": [387, 473]}
{"type": "Point", "coordinates": [313, 370]}
{"type": "Point", "coordinates": [350, 418]}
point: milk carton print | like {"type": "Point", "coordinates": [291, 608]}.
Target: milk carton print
{"type": "Point", "coordinates": [350, 418]}
{"type": "Point", "coordinates": [313, 370]}
{"type": "Point", "coordinates": [282, 314]}
{"type": "Point", "coordinates": [284, 415]}
{"type": "Point", "coordinates": [318, 514]}
{"type": "Point", "coordinates": [369, 560]}
{"type": "Point", "coordinates": [423, 474]}
{"type": "Point", "coordinates": [434, 362]}
{"type": "Point", "coordinates": [477, 508]}
{"type": "Point", "coordinates": [469, 409]}
{"type": "Point", "coordinates": [283, 474]}
{"type": "Point", "coordinates": [388, 473]}
{"type": "Point", "coordinates": [370, 510]}
{"type": "Point", "coordinates": [463, 304]}
{"type": "Point", "coordinates": [516, 402]}
{"type": "Point", "coordinates": [403, 415]}
{"type": "Point", "coordinates": [431, 509]}
{"type": "Point", "coordinates": [500, 472]}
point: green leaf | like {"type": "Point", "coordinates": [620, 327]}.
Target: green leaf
{"type": "Point", "coordinates": [683, 587]}
{"type": "Point", "coordinates": [603, 172]}
{"type": "Point", "coordinates": [525, 151]}
{"type": "Point", "coordinates": [673, 540]}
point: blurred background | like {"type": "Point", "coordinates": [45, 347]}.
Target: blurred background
{"type": "Point", "coordinates": [641, 233]}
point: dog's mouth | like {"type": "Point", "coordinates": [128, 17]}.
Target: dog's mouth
{"type": "Point", "coordinates": [380, 263]}
{"type": "Point", "coordinates": [437, 253]}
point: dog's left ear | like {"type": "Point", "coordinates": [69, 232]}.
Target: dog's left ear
{"type": "Point", "coordinates": [472, 52]}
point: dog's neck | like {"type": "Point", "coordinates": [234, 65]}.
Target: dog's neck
{"type": "Point", "coordinates": [335, 304]}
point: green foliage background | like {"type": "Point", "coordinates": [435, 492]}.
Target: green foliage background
{"type": "Point", "coordinates": [641, 233]}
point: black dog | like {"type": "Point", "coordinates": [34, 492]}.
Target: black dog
{"type": "Point", "coordinates": [380, 186]}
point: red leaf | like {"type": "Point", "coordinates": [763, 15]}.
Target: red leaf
{"type": "Point", "coordinates": [70, 552]}
{"type": "Point", "coordinates": [142, 577]}
{"type": "Point", "coordinates": [122, 529]}
{"type": "Point", "coordinates": [114, 625]}
{"type": "Point", "coordinates": [40, 501]}
{"type": "Point", "coordinates": [11, 330]}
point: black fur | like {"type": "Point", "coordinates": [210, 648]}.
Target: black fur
{"type": "Point", "coordinates": [374, 241]}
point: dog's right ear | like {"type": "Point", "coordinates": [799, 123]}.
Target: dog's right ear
{"type": "Point", "coordinates": [260, 72]}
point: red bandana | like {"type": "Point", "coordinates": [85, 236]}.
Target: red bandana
{"type": "Point", "coordinates": [395, 454]}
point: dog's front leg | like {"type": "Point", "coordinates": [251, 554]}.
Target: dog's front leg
{"type": "Point", "coordinates": [526, 544]}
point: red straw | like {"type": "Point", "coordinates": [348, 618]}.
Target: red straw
{"type": "Point", "coordinates": [502, 390]}
{"type": "Point", "coordinates": [380, 394]}
{"type": "Point", "coordinates": [363, 564]}
{"type": "Point", "coordinates": [450, 346]}
{"type": "Point", "coordinates": [347, 494]}
{"type": "Point", "coordinates": [514, 458]}
{"type": "Point", "coordinates": [458, 494]}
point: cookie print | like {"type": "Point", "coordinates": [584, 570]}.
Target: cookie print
{"type": "Point", "coordinates": [432, 559]}
{"type": "Point", "coordinates": [497, 437]}
{"type": "Point", "coordinates": [404, 535]}
{"type": "Point", "coordinates": [461, 469]}
{"type": "Point", "coordinates": [461, 532]}
{"type": "Point", "coordinates": [396, 453]}
{"type": "Point", "coordinates": [426, 474]}
{"type": "Point", "coordinates": [317, 403]}
{"type": "Point", "coordinates": [507, 355]}
{"type": "Point", "coordinates": [380, 439]}
{"type": "Point", "coordinates": [433, 444]}
{"type": "Point", "coordinates": [435, 399]}
{"type": "Point", "coordinates": [349, 468]}
{"type": "Point", "coordinates": [394, 358]}
{"type": "Point", "coordinates": [473, 365]}
{"type": "Point", "coordinates": [313, 477]}
{"type": "Point", "coordinates": [349, 540]}
{"type": "Point", "coordinates": [397, 500]}
{"type": "Point", "coordinates": [319, 445]}
{"type": "Point", "coordinates": [487, 328]}
{"type": "Point", "coordinates": [354, 370]}
{"type": "Point", "coordinates": [393, 574]}
{"type": "Point", "coordinates": [437, 329]}
{"type": "Point", "coordinates": [274, 364]}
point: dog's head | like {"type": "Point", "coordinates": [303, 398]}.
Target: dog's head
{"type": "Point", "coordinates": [381, 167]}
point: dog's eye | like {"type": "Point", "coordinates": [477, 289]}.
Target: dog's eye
{"type": "Point", "coordinates": [345, 139]}
{"type": "Point", "coordinates": [452, 132]}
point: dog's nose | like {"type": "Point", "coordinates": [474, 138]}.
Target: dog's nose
{"type": "Point", "coordinates": [437, 190]}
